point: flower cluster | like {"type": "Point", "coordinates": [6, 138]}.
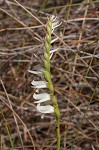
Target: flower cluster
{"type": "Point", "coordinates": [43, 97]}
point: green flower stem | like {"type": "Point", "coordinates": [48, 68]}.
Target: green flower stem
{"type": "Point", "coordinates": [47, 75]}
{"type": "Point", "coordinates": [57, 115]}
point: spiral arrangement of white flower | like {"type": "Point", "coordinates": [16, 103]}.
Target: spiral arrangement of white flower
{"type": "Point", "coordinates": [43, 97]}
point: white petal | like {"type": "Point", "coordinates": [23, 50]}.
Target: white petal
{"type": "Point", "coordinates": [54, 18]}
{"type": "Point", "coordinates": [52, 51]}
{"type": "Point", "coordinates": [35, 72]}
{"type": "Point", "coordinates": [41, 97]}
{"type": "Point", "coordinates": [56, 24]}
{"type": "Point", "coordinates": [39, 84]}
{"type": "Point", "coordinates": [45, 109]}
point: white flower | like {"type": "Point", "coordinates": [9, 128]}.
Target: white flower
{"type": "Point", "coordinates": [54, 17]}
{"type": "Point", "coordinates": [39, 84]}
{"type": "Point", "coordinates": [45, 109]}
{"type": "Point", "coordinates": [55, 23]}
{"type": "Point", "coordinates": [41, 97]}
{"type": "Point", "coordinates": [35, 72]}
{"type": "Point", "coordinates": [52, 51]}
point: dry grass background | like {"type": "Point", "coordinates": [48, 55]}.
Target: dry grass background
{"type": "Point", "coordinates": [75, 74]}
